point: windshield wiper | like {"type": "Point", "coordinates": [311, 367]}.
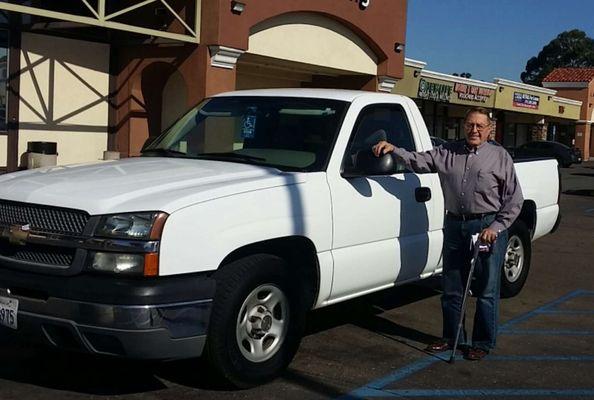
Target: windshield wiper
{"type": "Point", "coordinates": [165, 152]}
{"type": "Point", "coordinates": [230, 155]}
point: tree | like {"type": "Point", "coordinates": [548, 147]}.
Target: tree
{"type": "Point", "coordinates": [569, 49]}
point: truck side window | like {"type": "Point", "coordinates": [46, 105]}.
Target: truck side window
{"type": "Point", "coordinates": [376, 123]}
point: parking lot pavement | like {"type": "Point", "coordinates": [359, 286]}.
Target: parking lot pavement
{"type": "Point", "coordinates": [372, 347]}
{"type": "Point", "coordinates": [579, 178]}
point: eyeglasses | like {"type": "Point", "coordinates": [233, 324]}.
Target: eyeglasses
{"type": "Point", "coordinates": [479, 127]}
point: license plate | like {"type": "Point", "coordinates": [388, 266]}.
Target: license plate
{"type": "Point", "coordinates": [8, 312]}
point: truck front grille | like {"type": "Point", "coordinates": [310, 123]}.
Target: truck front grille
{"type": "Point", "coordinates": [40, 220]}
{"type": "Point", "coordinates": [43, 218]}
{"type": "Point", "coordinates": [46, 255]}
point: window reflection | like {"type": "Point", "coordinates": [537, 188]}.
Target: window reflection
{"type": "Point", "coordinates": [3, 77]}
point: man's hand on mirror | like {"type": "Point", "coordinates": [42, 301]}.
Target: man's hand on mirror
{"type": "Point", "coordinates": [382, 148]}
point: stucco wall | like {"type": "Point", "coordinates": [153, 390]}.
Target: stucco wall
{"type": "Point", "coordinates": [504, 100]}
{"type": "Point", "coordinates": [64, 85]}
{"type": "Point", "coordinates": [3, 150]}
{"type": "Point", "coordinates": [312, 39]}
{"type": "Point", "coordinates": [380, 25]}
{"type": "Point", "coordinates": [409, 84]}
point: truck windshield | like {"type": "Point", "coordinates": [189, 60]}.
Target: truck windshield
{"type": "Point", "coordinates": [293, 134]}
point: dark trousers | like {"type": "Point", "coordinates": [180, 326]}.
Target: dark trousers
{"type": "Point", "coordinates": [457, 254]}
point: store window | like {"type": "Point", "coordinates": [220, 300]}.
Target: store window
{"type": "Point", "coordinates": [509, 138]}
{"type": "Point", "coordinates": [522, 134]}
{"type": "Point", "coordinates": [3, 77]}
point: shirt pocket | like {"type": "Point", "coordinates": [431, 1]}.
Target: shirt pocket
{"type": "Point", "coordinates": [486, 191]}
{"type": "Point", "coordinates": [487, 182]}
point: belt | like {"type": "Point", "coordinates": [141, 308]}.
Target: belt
{"type": "Point", "coordinates": [468, 217]}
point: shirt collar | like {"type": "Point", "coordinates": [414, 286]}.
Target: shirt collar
{"type": "Point", "coordinates": [475, 150]}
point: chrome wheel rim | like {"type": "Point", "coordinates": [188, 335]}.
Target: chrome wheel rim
{"type": "Point", "coordinates": [514, 259]}
{"type": "Point", "coordinates": [262, 323]}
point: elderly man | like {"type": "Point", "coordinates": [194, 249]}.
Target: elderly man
{"type": "Point", "coordinates": [482, 195]}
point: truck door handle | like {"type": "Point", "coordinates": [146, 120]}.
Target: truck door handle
{"type": "Point", "coordinates": [422, 194]}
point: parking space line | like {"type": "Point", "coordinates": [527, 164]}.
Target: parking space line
{"type": "Point", "coordinates": [569, 312]}
{"type": "Point", "coordinates": [404, 372]}
{"type": "Point", "coordinates": [545, 307]}
{"type": "Point", "coordinates": [376, 388]}
{"type": "Point", "coordinates": [547, 332]}
{"type": "Point", "coordinates": [540, 358]}
{"type": "Point", "coordinates": [408, 393]}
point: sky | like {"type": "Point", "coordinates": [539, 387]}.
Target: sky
{"type": "Point", "coordinates": [489, 38]}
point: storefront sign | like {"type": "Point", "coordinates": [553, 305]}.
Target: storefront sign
{"type": "Point", "coordinates": [525, 100]}
{"type": "Point", "coordinates": [473, 93]}
{"type": "Point", "coordinates": [434, 91]}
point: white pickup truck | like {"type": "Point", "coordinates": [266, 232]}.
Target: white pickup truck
{"type": "Point", "coordinates": [252, 209]}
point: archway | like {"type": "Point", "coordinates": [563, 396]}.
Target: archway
{"type": "Point", "coordinates": [174, 99]}
{"type": "Point", "coordinates": [305, 50]}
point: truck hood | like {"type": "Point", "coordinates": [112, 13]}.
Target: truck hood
{"type": "Point", "coordinates": [139, 184]}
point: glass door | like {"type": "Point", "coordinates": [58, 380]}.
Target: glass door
{"type": "Point", "coordinates": [4, 45]}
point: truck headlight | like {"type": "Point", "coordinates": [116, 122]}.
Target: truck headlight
{"type": "Point", "coordinates": [131, 226]}
{"type": "Point", "coordinates": [146, 264]}
{"type": "Point", "coordinates": [135, 252]}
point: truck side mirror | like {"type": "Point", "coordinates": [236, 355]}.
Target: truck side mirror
{"type": "Point", "coordinates": [367, 164]}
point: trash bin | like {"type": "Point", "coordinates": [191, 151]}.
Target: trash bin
{"type": "Point", "coordinates": [41, 154]}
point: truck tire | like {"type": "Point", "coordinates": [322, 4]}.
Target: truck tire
{"type": "Point", "coordinates": [257, 320]}
{"type": "Point", "coordinates": [516, 262]}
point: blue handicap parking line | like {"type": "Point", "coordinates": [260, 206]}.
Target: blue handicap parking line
{"type": "Point", "coordinates": [568, 312]}
{"type": "Point", "coordinates": [411, 393]}
{"type": "Point", "coordinates": [377, 388]}
{"type": "Point", "coordinates": [549, 309]}
{"type": "Point", "coordinates": [547, 332]}
{"type": "Point", "coordinates": [544, 308]}
{"type": "Point", "coordinates": [403, 373]}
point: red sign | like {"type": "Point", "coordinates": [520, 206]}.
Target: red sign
{"type": "Point", "coordinates": [473, 93]}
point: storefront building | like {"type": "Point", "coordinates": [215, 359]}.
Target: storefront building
{"type": "Point", "coordinates": [521, 112]}
{"type": "Point", "coordinates": [577, 84]}
{"type": "Point", "coordinates": [106, 74]}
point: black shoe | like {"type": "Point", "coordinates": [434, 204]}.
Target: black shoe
{"type": "Point", "coordinates": [438, 346]}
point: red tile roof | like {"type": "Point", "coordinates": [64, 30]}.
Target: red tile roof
{"type": "Point", "coordinates": [570, 75]}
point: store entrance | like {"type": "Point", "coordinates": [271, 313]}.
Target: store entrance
{"type": "Point", "coordinates": [260, 72]}
{"type": "Point", "coordinates": [4, 48]}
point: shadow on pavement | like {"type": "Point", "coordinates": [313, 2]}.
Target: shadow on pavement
{"type": "Point", "coordinates": [311, 383]}
{"type": "Point", "coordinates": [106, 376]}
{"type": "Point", "coordinates": [364, 312]}
{"type": "Point", "coordinates": [75, 372]}
{"type": "Point", "coordinates": [589, 174]}
{"type": "Point", "coordinates": [580, 192]}
{"type": "Point", "coordinates": [97, 375]}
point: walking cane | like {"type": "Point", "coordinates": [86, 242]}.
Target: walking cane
{"type": "Point", "coordinates": [475, 251]}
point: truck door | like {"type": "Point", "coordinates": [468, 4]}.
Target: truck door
{"type": "Point", "coordinates": [381, 223]}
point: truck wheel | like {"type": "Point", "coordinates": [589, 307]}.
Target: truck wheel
{"type": "Point", "coordinates": [516, 263]}
{"type": "Point", "coordinates": [257, 320]}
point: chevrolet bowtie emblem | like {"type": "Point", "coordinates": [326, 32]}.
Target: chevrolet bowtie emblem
{"type": "Point", "coordinates": [16, 234]}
